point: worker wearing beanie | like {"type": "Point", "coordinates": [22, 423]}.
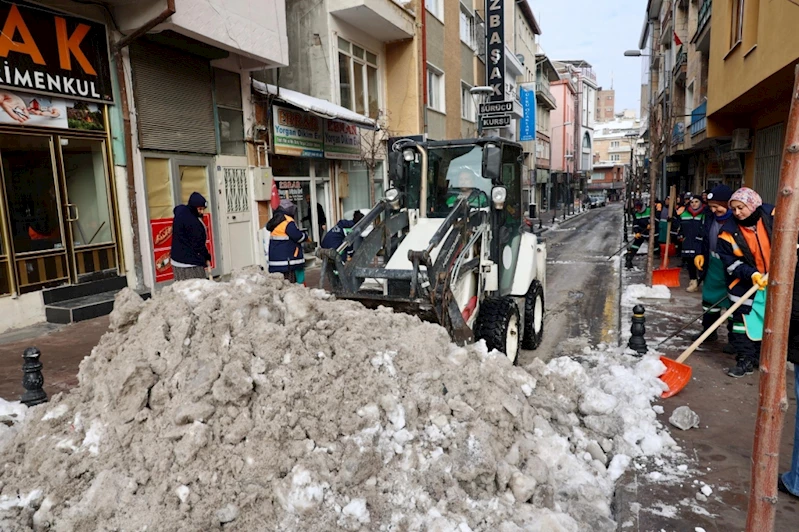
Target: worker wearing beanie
{"type": "Point", "coordinates": [744, 247]}
{"type": "Point", "coordinates": [689, 226]}
{"type": "Point", "coordinates": [709, 265]}
{"type": "Point", "coordinates": [285, 243]}
{"type": "Point", "coordinates": [641, 232]}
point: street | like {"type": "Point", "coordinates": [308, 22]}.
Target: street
{"type": "Point", "coordinates": [582, 291]}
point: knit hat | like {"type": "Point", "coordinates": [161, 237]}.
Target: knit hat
{"type": "Point", "coordinates": [748, 197]}
{"type": "Point", "coordinates": [288, 207]}
{"type": "Point", "coordinates": [638, 204]}
{"type": "Point", "coordinates": [720, 193]}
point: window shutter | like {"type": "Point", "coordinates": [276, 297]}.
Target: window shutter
{"type": "Point", "coordinates": [174, 100]}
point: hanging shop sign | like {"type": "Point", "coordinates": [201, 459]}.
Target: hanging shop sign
{"type": "Point", "coordinates": [527, 127]}
{"type": "Point", "coordinates": [342, 140]}
{"type": "Point", "coordinates": [495, 48]}
{"type": "Point", "coordinates": [161, 230]}
{"type": "Point", "coordinates": [54, 54]}
{"type": "Point", "coordinates": [302, 134]}
{"type": "Point", "coordinates": [297, 133]}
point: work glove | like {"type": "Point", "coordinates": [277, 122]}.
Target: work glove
{"type": "Point", "coordinates": [760, 280]}
{"type": "Point", "coordinates": [699, 262]}
{"type": "Point", "coordinates": [637, 236]}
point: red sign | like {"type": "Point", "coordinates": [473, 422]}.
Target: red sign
{"type": "Point", "coordinates": [161, 230]}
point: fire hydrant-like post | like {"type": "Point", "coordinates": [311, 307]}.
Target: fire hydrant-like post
{"type": "Point", "coordinates": [637, 342]}
{"type": "Point", "coordinates": [32, 379]}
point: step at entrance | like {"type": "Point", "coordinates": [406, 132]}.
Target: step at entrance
{"type": "Point", "coordinates": [85, 301]}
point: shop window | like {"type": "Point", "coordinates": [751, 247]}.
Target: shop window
{"type": "Point", "coordinates": [159, 188]}
{"type": "Point", "coordinates": [85, 174]}
{"type": "Point", "coordinates": [358, 85]}
{"type": "Point", "coordinates": [230, 112]}
{"type": "Point", "coordinates": [193, 179]}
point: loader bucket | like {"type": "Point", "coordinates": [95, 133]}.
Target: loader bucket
{"type": "Point", "coordinates": [677, 376]}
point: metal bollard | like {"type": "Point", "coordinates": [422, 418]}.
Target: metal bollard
{"type": "Point", "coordinates": [32, 379]}
{"type": "Point", "coordinates": [638, 329]}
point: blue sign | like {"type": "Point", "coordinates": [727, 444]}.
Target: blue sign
{"type": "Point", "coordinates": [527, 128]}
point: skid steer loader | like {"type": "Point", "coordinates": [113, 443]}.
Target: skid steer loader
{"type": "Point", "coordinates": [448, 243]}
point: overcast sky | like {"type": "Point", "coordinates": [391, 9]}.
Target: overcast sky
{"type": "Point", "coordinates": [598, 31]}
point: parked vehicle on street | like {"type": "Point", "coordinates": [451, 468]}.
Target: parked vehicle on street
{"type": "Point", "coordinates": [597, 200]}
{"type": "Point", "coordinates": [452, 248]}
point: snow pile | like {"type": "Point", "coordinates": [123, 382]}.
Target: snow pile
{"type": "Point", "coordinates": [635, 292]}
{"type": "Point", "coordinates": [11, 415]}
{"type": "Point", "coordinates": [268, 406]}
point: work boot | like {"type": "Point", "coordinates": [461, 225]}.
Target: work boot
{"type": "Point", "coordinates": [693, 286]}
{"type": "Point", "coordinates": [712, 338]}
{"type": "Point", "coordinates": [628, 261]}
{"type": "Point", "coordinates": [728, 349]}
{"type": "Point", "coordinates": [741, 369]}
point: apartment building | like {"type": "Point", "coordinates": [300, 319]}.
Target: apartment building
{"type": "Point", "coordinates": [605, 105]}
{"type": "Point", "coordinates": [614, 146]}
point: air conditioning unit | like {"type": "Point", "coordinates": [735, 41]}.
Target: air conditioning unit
{"type": "Point", "coordinates": [741, 141]}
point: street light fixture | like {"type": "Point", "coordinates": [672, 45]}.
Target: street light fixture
{"type": "Point", "coordinates": [634, 53]}
{"type": "Point", "coordinates": [479, 95]}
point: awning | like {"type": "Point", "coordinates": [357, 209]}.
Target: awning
{"type": "Point", "coordinates": [317, 106]}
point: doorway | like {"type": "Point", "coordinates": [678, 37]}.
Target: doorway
{"type": "Point", "coordinates": [56, 211]}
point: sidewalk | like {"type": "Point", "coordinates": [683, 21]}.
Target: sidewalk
{"type": "Point", "coordinates": [719, 451]}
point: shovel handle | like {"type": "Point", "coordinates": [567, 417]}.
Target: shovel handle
{"type": "Point", "coordinates": [718, 322]}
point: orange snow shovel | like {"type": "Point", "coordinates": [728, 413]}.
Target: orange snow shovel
{"type": "Point", "coordinates": [664, 275]}
{"type": "Point", "coordinates": [678, 374]}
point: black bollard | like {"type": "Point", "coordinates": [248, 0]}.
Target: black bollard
{"type": "Point", "coordinates": [638, 329]}
{"type": "Point", "coordinates": [32, 379]}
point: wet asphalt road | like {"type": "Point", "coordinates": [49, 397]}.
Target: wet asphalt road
{"type": "Point", "coordinates": [582, 292]}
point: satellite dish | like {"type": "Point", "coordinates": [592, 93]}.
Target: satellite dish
{"type": "Point", "coordinates": [520, 57]}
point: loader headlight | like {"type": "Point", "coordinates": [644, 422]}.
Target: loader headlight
{"type": "Point", "coordinates": [392, 197]}
{"type": "Point", "coordinates": [409, 154]}
{"type": "Point", "coordinates": [498, 196]}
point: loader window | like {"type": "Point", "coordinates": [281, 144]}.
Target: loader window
{"type": "Point", "coordinates": [512, 181]}
{"type": "Point", "coordinates": [451, 172]}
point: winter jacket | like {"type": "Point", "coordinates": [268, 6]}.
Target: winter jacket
{"type": "Point", "coordinates": [690, 230]}
{"type": "Point", "coordinates": [285, 239]}
{"type": "Point", "coordinates": [740, 258]}
{"type": "Point", "coordinates": [335, 237]}
{"type": "Point", "coordinates": [188, 233]}
{"type": "Point", "coordinates": [641, 223]}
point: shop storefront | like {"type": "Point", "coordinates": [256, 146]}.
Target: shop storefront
{"type": "Point", "coordinates": [317, 161]}
{"type": "Point", "coordinates": [58, 210]}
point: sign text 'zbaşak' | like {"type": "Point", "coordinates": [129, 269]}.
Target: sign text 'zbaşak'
{"type": "Point", "coordinates": [495, 49]}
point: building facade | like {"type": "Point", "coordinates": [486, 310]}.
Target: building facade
{"type": "Point", "coordinates": [546, 106]}
{"type": "Point", "coordinates": [605, 105]}
{"type": "Point", "coordinates": [561, 192]}
{"type": "Point", "coordinates": [115, 124]}
{"type": "Point", "coordinates": [614, 149]}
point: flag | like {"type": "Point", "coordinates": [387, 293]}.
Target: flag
{"type": "Point", "coordinates": [677, 40]}
{"type": "Point", "coordinates": [275, 199]}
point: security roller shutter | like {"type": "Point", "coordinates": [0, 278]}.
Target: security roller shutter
{"type": "Point", "coordinates": [174, 102]}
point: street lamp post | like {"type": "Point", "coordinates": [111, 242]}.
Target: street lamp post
{"type": "Point", "coordinates": [480, 93]}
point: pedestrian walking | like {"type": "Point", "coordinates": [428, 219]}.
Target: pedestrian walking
{"type": "Point", "coordinates": [690, 234]}
{"type": "Point", "coordinates": [744, 246]}
{"type": "Point", "coordinates": [788, 482]}
{"type": "Point", "coordinates": [285, 243]}
{"type": "Point", "coordinates": [641, 228]}
{"type": "Point", "coordinates": [189, 255]}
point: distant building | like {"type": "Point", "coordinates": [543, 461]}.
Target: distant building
{"type": "Point", "coordinates": [605, 105]}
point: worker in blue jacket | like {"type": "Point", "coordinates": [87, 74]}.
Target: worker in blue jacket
{"type": "Point", "coordinates": [690, 226]}
{"type": "Point", "coordinates": [335, 237]}
{"type": "Point", "coordinates": [641, 229]}
{"type": "Point", "coordinates": [285, 243]}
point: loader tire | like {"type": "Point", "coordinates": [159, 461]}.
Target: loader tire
{"type": "Point", "coordinates": [533, 316]}
{"type": "Point", "coordinates": [498, 325]}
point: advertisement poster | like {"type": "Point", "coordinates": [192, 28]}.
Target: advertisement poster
{"type": "Point", "coordinates": [42, 111]}
{"type": "Point", "coordinates": [161, 230]}
{"type": "Point", "coordinates": [54, 54]}
{"type": "Point", "coordinates": [297, 133]}
{"type": "Point", "coordinates": [291, 190]}
{"type": "Point", "coordinates": [527, 129]}
{"type": "Point", "coordinates": [342, 141]}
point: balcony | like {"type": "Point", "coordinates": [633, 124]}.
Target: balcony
{"type": "Point", "coordinates": [698, 119]}
{"type": "Point", "coordinates": [702, 36]}
{"type": "Point", "coordinates": [382, 19]}
{"type": "Point", "coordinates": [680, 65]}
{"type": "Point", "coordinates": [543, 93]}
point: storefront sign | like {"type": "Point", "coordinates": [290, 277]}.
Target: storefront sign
{"type": "Point", "coordinates": [297, 133]}
{"type": "Point", "coordinates": [731, 164]}
{"type": "Point", "coordinates": [527, 128]}
{"type": "Point", "coordinates": [291, 190]}
{"type": "Point", "coordinates": [42, 111]}
{"type": "Point", "coordinates": [495, 48]}
{"type": "Point", "coordinates": [54, 54]}
{"type": "Point", "coordinates": [342, 140]}
{"type": "Point", "coordinates": [672, 168]}
{"type": "Point", "coordinates": [161, 230]}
